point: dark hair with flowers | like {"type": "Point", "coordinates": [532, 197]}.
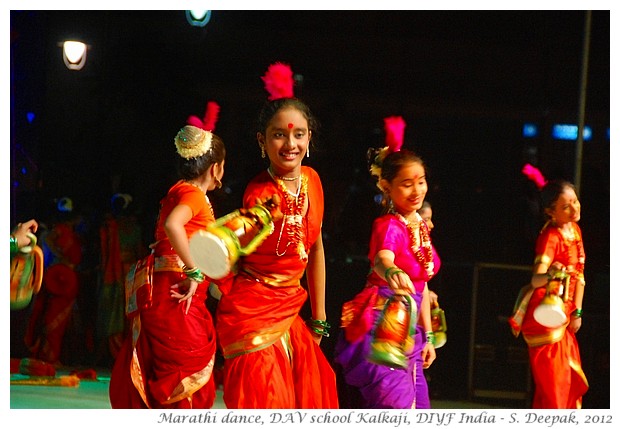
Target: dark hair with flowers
{"type": "Point", "coordinates": [198, 147]}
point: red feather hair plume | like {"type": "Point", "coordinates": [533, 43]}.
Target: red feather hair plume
{"type": "Point", "coordinates": [394, 133]}
{"type": "Point", "coordinates": [394, 137]}
{"type": "Point", "coordinates": [209, 120]}
{"type": "Point", "coordinates": [534, 175]}
{"type": "Point", "coordinates": [279, 81]}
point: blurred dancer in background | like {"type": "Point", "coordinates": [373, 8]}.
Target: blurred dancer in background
{"type": "Point", "coordinates": [555, 360]}
{"type": "Point", "coordinates": [53, 306]}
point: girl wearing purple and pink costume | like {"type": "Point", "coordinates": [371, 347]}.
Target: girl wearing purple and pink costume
{"type": "Point", "coordinates": [403, 260]}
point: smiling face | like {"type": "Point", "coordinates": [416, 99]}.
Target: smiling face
{"type": "Point", "coordinates": [408, 188]}
{"type": "Point", "coordinates": [567, 208]}
{"type": "Point", "coordinates": [286, 141]}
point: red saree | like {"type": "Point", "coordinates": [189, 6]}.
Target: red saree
{"type": "Point", "coordinates": [53, 306]}
{"type": "Point", "coordinates": [272, 360]}
{"type": "Point", "coordinates": [555, 361]}
{"type": "Point", "coordinates": [167, 361]}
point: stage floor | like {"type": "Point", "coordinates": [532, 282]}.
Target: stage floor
{"type": "Point", "coordinates": [92, 394]}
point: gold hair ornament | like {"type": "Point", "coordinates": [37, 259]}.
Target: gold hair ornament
{"type": "Point", "coordinates": [192, 142]}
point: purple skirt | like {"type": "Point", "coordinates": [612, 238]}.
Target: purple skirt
{"type": "Point", "coordinates": [382, 386]}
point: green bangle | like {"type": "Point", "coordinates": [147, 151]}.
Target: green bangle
{"type": "Point", "coordinates": [194, 274]}
{"type": "Point", "coordinates": [319, 327]}
{"type": "Point", "coordinates": [386, 273]}
{"type": "Point", "coordinates": [577, 313]}
{"type": "Point", "coordinates": [389, 273]}
{"type": "Point", "coordinates": [198, 277]}
{"type": "Point", "coordinates": [430, 337]}
{"type": "Point", "coordinates": [14, 247]}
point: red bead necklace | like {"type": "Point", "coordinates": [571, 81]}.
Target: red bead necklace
{"type": "Point", "coordinates": [293, 216]}
{"type": "Point", "coordinates": [420, 242]}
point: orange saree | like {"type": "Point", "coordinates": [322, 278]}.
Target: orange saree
{"type": "Point", "coordinates": [555, 361]}
{"type": "Point", "coordinates": [271, 359]}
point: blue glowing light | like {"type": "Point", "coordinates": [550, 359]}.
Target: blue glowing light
{"type": "Point", "coordinates": [530, 130]}
{"type": "Point", "coordinates": [569, 132]}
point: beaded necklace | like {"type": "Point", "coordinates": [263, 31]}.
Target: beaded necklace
{"type": "Point", "coordinates": [420, 242]}
{"type": "Point", "coordinates": [571, 237]}
{"type": "Point", "coordinates": [568, 235]}
{"type": "Point", "coordinates": [288, 179]}
{"type": "Point", "coordinates": [293, 216]}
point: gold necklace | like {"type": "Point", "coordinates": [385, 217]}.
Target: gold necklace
{"type": "Point", "coordinates": [274, 176]}
{"type": "Point", "coordinates": [568, 235]}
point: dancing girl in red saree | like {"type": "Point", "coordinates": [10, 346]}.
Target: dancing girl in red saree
{"type": "Point", "coordinates": [555, 360]}
{"type": "Point", "coordinates": [167, 360]}
{"type": "Point", "coordinates": [272, 357]}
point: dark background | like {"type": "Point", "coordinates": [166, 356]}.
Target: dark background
{"type": "Point", "coordinates": [464, 81]}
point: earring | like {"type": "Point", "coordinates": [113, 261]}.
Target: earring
{"type": "Point", "coordinates": [262, 151]}
{"type": "Point", "coordinates": [308, 152]}
{"type": "Point", "coordinates": [218, 183]}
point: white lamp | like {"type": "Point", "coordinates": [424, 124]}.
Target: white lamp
{"type": "Point", "coordinates": [74, 54]}
{"type": "Point", "coordinates": [198, 18]}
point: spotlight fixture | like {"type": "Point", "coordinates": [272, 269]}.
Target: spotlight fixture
{"type": "Point", "coordinates": [74, 54]}
{"type": "Point", "coordinates": [198, 18]}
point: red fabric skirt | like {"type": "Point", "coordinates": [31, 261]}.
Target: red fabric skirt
{"type": "Point", "coordinates": [51, 313]}
{"type": "Point", "coordinates": [555, 360]}
{"type": "Point", "coordinates": [268, 378]}
{"type": "Point", "coordinates": [172, 361]}
{"type": "Point", "coordinates": [271, 360]}
{"type": "Point", "coordinates": [559, 380]}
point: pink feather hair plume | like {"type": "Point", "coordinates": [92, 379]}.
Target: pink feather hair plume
{"type": "Point", "coordinates": [534, 175]}
{"type": "Point", "coordinates": [394, 132]}
{"type": "Point", "coordinates": [279, 81]}
{"type": "Point", "coordinates": [209, 120]}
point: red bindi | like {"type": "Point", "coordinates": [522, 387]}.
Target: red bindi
{"type": "Point", "coordinates": [290, 125]}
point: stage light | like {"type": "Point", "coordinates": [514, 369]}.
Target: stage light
{"type": "Point", "coordinates": [530, 130]}
{"type": "Point", "coordinates": [569, 132]}
{"type": "Point", "coordinates": [74, 54]}
{"type": "Point", "coordinates": [198, 18]}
